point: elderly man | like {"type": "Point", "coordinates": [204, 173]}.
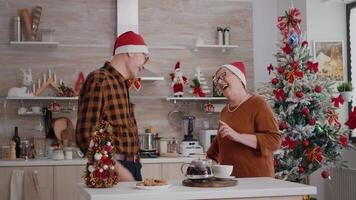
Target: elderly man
{"type": "Point", "coordinates": [105, 96]}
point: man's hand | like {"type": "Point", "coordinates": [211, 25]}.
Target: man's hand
{"type": "Point", "coordinates": [124, 174]}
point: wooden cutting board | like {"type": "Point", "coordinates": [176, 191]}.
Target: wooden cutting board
{"type": "Point", "coordinates": [213, 182]}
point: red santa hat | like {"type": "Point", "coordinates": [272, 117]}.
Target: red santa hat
{"type": "Point", "coordinates": [177, 67]}
{"type": "Point", "coordinates": [130, 42]}
{"type": "Point", "coordinates": [238, 68]}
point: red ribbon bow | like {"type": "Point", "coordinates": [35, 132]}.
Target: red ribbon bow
{"type": "Point", "coordinates": [337, 101]}
{"type": "Point", "coordinates": [314, 154]}
{"type": "Point", "coordinates": [313, 66]}
{"type": "Point", "coordinates": [291, 75]}
{"type": "Point", "coordinates": [136, 84]}
{"type": "Point", "coordinates": [291, 19]}
{"type": "Point", "coordinates": [333, 117]}
{"type": "Point", "coordinates": [279, 95]}
{"type": "Point", "coordinates": [292, 144]}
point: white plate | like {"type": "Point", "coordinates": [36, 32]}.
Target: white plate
{"type": "Point", "coordinates": [153, 187]}
{"type": "Point", "coordinates": [227, 178]}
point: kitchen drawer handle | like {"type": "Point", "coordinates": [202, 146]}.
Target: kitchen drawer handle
{"type": "Point", "coordinates": [35, 179]}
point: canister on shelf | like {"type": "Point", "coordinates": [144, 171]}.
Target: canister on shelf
{"type": "Point", "coordinates": [220, 35]}
{"type": "Point", "coordinates": [163, 144]}
{"type": "Point", "coordinates": [227, 36]}
{"type": "Point", "coordinates": [17, 28]}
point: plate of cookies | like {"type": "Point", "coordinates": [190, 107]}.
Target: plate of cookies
{"type": "Point", "coordinates": [152, 184]}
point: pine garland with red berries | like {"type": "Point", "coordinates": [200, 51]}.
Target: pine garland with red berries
{"type": "Point", "coordinates": [100, 170]}
{"type": "Point", "coordinates": [312, 135]}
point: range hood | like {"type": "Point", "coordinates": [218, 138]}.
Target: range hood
{"type": "Point", "coordinates": [127, 20]}
{"type": "Point", "coordinates": [147, 75]}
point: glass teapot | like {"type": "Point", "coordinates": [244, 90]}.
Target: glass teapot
{"type": "Point", "coordinates": [198, 169]}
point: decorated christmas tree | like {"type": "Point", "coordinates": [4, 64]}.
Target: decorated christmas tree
{"type": "Point", "coordinates": [312, 135]}
{"type": "Point", "coordinates": [101, 171]}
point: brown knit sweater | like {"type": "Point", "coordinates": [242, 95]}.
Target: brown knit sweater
{"type": "Point", "coordinates": [254, 116]}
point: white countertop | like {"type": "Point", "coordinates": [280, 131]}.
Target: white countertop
{"type": "Point", "coordinates": [246, 188]}
{"type": "Point", "coordinates": [50, 162]}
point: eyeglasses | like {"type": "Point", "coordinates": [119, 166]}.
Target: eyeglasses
{"type": "Point", "coordinates": [221, 77]}
{"type": "Point", "coordinates": [146, 58]}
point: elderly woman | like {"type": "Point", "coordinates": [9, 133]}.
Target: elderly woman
{"type": "Point", "coordinates": [248, 133]}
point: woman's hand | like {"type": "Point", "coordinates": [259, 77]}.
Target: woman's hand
{"type": "Point", "coordinates": [226, 131]}
{"type": "Point", "coordinates": [243, 138]}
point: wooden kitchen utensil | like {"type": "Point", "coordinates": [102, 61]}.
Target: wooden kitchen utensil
{"type": "Point", "coordinates": [63, 129]}
{"type": "Point", "coordinates": [212, 182]}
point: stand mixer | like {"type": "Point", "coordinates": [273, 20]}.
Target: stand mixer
{"type": "Point", "coordinates": [189, 145]}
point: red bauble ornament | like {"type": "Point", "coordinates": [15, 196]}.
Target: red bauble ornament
{"type": "Point", "coordinates": [275, 81]}
{"type": "Point", "coordinates": [281, 70]}
{"type": "Point", "coordinates": [295, 65]}
{"type": "Point", "coordinates": [325, 174]}
{"type": "Point", "coordinates": [96, 173]}
{"type": "Point", "coordinates": [343, 140]}
{"type": "Point", "coordinates": [299, 94]}
{"type": "Point", "coordinates": [283, 126]}
{"type": "Point", "coordinates": [311, 121]}
{"type": "Point", "coordinates": [318, 89]}
{"type": "Point", "coordinates": [305, 111]}
{"type": "Point", "coordinates": [305, 143]}
{"type": "Point", "coordinates": [305, 43]}
{"type": "Point", "coordinates": [301, 169]}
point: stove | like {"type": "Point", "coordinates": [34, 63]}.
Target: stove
{"type": "Point", "coordinates": [148, 154]}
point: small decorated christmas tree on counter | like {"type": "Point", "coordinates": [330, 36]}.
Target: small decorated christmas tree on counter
{"type": "Point", "coordinates": [100, 171]}
{"type": "Point", "coordinates": [312, 135]}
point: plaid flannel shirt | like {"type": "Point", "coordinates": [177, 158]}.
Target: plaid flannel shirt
{"type": "Point", "coordinates": [105, 96]}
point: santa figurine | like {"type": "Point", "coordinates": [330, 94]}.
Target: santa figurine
{"type": "Point", "coordinates": [178, 81]}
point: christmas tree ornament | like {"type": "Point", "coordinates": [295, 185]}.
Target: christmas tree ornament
{"type": "Point", "coordinates": [283, 126]}
{"type": "Point", "coordinates": [299, 94]}
{"type": "Point", "coordinates": [275, 81]}
{"type": "Point", "coordinates": [305, 44]}
{"type": "Point", "coordinates": [351, 122]}
{"type": "Point", "coordinates": [178, 81]}
{"type": "Point", "coordinates": [305, 111]}
{"type": "Point", "coordinates": [311, 121]}
{"type": "Point", "coordinates": [270, 69]}
{"type": "Point", "coordinates": [343, 140]}
{"type": "Point", "coordinates": [318, 89]}
{"type": "Point", "coordinates": [293, 39]}
{"type": "Point", "coordinates": [325, 174]}
{"type": "Point", "coordinates": [281, 70]}
{"type": "Point", "coordinates": [301, 169]}
{"type": "Point", "coordinates": [305, 143]}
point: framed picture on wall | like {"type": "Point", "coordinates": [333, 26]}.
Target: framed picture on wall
{"type": "Point", "coordinates": [330, 56]}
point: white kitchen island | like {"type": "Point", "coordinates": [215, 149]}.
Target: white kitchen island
{"type": "Point", "coordinates": [247, 188]}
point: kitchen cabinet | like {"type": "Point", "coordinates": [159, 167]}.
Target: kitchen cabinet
{"type": "Point", "coordinates": [66, 179]}
{"type": "Point", "coordinates": [168, 171]}
{"type": "Point", "coordinates": [151, 170]}
{"type": "Point", "coordinates": [172, 172]}
{"type": "Point", "coordinates": [44, 176]}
